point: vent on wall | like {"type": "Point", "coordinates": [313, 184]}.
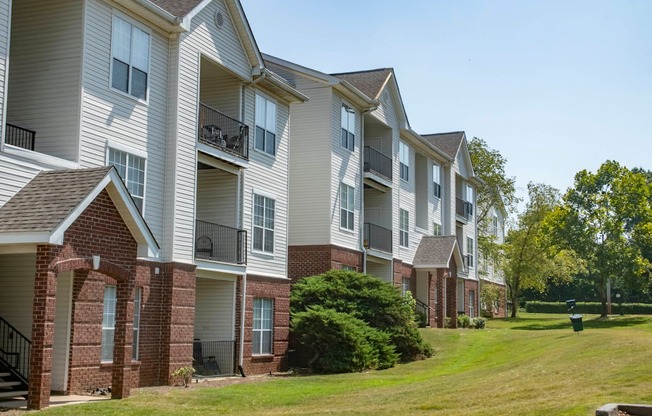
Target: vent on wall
{"type": "Point", "coordinates": [219, 19]}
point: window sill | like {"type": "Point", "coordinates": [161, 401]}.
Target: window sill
{"type": "Point", "coordinates": [264, 254]}
{"type": "Point", "coordinates": [264, 154]}
{"type": "Point", "coordinates": [129, 96]}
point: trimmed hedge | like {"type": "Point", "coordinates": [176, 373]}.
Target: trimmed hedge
{"type": "Point", "coordinates": [588, 307]}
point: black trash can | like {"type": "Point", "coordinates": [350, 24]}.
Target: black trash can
{"type": "Point", "coordinates": [576, 320]}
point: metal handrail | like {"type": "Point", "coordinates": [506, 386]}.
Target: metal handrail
{"type": "Point", "coordinates": [223, 132]}
{"type": "Point", "coordinates": [15, 350]}
{"type": "Point", "coordinates": [220, 243]}
{"type": "Point", "coordinates": [377, 237]}
{"type": "Point", "coordinates": [377, 162]}
{"type": "Point", "coordinates": [19, 136]}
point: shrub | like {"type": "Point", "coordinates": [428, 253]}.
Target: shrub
{"type": "Point", "coordinates": [366, 298]}
{"type": "Point", "coordinates": [447, 322]}
{"type": "Point", "coordinates": [589, 307]}
{"type": "Point", "coordinates": [463, 321]}
{"type": "Point", "coordinates": [478, 323]}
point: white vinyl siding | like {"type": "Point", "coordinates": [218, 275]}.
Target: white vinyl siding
{"type": "Point", "coordinates": [108, 323]}
{"type": "Point", "coordinates": [348, 127]}
{"type": "Point", "coordinates": [5, 21]}
{"type": "Point", "coordinates": [214, 308]}
{"type": "Point", "coordinates": [14, 175]}
{"type": "Point", "coordinates": [17, 295]}
{"type": "Point", "coordinates": [265, 134]}
{"type": "Point", "coordinates": [132, 171]}
{"type": "Point", "coordinates": [262, 339]}
{"type": "Point", "coordinates": [138, 298]}
{"type": "Point", "coordinates": [347, 207]}
{"type": "Point", "coordinates": [44, 87]}
{"type": "Point", "coordinates": [404, 228]}
{"type": "Point", "coordinates": [129, 58]}
{"type": "Point", "coordinates": [263, 231]}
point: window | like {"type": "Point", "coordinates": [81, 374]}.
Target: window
{"type": "Point", "coordinates": [494, 225]}
{"type": "Point", "coordinates": [265, 125]}
{"type": "Point", "coordinates": [349, 268]}
{"type": "Point", "coordinates": [264, 209]}
{"type": "Point", "coordinates": [136, 338]}
{"type": "Point", "coordinates": [262, 331]}
{"type": "Point", "coordinates": [436, 229]}
{"type": "Point", "coordinates": [132, 171]}
{"type": "Point", "coordinates": [347, 204]}
{"type": "Point", "coordinates": [469, 250]}
{"type": "Point", "coordinates": [436, 180]}
{"type": "Point", "coordinates": [405, 285]}
{"type": "Point", "coordinates": [404, 159]}
{"type": "Point", "coordinates": [348, 127]}
{"type": "Point", "coordinates": [130, 58]}
{"type": "Point", "coordinates": [469, 200]}
{"type": "Point", "coordinates": [404, 226]}
{"type": "Point", "coordinates": [108, 323]}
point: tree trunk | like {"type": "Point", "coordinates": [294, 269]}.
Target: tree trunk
{"type": "Point", "coordinates": [514, 299]}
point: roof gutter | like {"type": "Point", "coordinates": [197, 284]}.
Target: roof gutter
{"type": "Point", "coordinates": [165, 15]}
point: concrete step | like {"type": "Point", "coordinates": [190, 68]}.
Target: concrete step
{"type": "Point", "coordinates": [4, 374]}
{"type": "Point", "coordinates": [9, 383]}
{"type": "Point", "coordinates": [13, 393]}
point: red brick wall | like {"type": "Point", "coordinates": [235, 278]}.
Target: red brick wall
{"type": "Point", "coordinates": [304, 261]}
{"type": "Point", "coordinates": [279, 291]}
{"type": "Point", "coordinates": [470, 285]}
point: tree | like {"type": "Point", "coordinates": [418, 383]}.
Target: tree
{"type": "Point", "coordinates": [606, 219]}
{"type": "Point", "coordinates": [530, 257]}
{"type": "Point", "coordinates": [496, 190]}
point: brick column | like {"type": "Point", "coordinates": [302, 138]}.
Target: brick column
{"type": "Point", "coordinates": [432, 301]}
{"type": "Point", "coordinates": [43, 310]}
{"type": "Point", "coordinates": [122, 340]}
{"type": "Point", "coordinates": [451, 299]}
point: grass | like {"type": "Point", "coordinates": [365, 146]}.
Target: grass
{"type": "Point", "coordinates": [532, 365]}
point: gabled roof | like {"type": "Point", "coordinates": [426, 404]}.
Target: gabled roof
{"type": "Point", "coordinates": [436, 252]}
{"type": "Point", "coordinates": [448, 143]}
{"type": "Point", "coordinates": [178, 8]}
{"type": "Point", "coordinates": [370, 82]}
{"type": "Point", "coordinates": [42, 210]}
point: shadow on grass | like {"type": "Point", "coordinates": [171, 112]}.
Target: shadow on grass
{"type": "Point", "coordinates": [543, 324]}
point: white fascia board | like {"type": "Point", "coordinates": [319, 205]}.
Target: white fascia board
{"type": "Point", "coordinates": [432, 266]}
{"type": "Point", "coordinates": [218, 154]}
{"type": "Point", "coordinates": [217, 267]}
{"type": "Point", "coordinates": [307, 72]}
{"type": "Point", "coordinates": [30, 237]}
{"type": "Point", "coordinates": [278, 82]}
{"type": "Point", "coordinates": [39, 160]}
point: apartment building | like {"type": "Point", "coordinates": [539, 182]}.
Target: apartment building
{"type": "Point", "coordinates": [143, 195]}
{"type": "Point", "coordinates": [489, 272]}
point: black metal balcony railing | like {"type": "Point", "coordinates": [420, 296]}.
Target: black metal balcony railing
{"type": "Point", "coordinates": [19, 137]}
{"type": "Point", "coordinates": [223, 132]}
{"type": "Point", "coordinates": [213, 357]}
{"type": "Point", "coordinates": [377, 237]}
{"type": "Point", "coordinates": [15, 350]}
{"type": "Point", "coordinates": [378, 163]}
{"type": "Point", "coordinates": [423, 311]}
{"type": "Point", "coordinates": [463, 208]}
{"type": "Point", "coordinates": [220, 243]}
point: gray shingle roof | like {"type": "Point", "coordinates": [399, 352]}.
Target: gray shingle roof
{"type": "Point", "coordinates": [434, 250]}
{"type": "Point", "coordinates": [448, 143]}
{"type": "Point", "coordinates": [48, 199]}
{"type": "Point", "coordinates": [369, 82]}
{"type": "Point", "coordinates": [178, 8]}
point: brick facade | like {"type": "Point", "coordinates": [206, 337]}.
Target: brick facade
{"type": "Point", "coordinates": [471, 285]}
{"type": "Point", "coordinates": [304, 261]}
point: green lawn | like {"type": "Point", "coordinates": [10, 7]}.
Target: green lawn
{"type": "Point", "coordinates": [533, 365]}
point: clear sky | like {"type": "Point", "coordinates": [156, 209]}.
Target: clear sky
{"type": "Point", "coordinates": [555, 86]}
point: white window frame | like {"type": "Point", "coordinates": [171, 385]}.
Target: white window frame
{"type": "Point", "coordinates": [469, 199]}
{"type": "Point", "coordinates": [435, 228]}
{"type": "Point", "coordinates": [108, 322]}
{"type": "Point", "coordinates": [264, 227]}
{"type": "Point", "coordinates": [404, 161]}
{"type": "Point", "coordinates": [347, 207]}
{"type": "Point", "coordinates": [404, 227]}
{"type": "Point", "coordinates": [266, 125]}
{"type": "Point", "coordinates": [134, 28]}
{"type": "Point", "coordinates": [135, 345]}
{"type": "Point", "coordinates": [347, 136]}
{"type": "Point", "coordinates": [494, 222]}
{"type": "Point", "coordinates": [470, 251]}
{"type": "Point", "coordinates": [405, 285]}
{"type": "Point", "coordinates": [129, 171]}
{"type": "Point", "coordinates": [436, 180]}
{"type": "Point", "coordinates": [263, 326]}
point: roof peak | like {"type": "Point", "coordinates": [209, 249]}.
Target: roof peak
{"type": "Point", "coordinates": [364, 71]}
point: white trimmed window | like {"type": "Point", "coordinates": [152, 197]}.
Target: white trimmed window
{"type": "Point", "coordinates": [469, 200]}
{"type": "Point", "coordinates": [404, 226]}
{"type": "Point", "coordinates": [347, 206]}
{"type": "Point", "coordinates": [436, 180]}
{"type": "Point", "coordinates": [264, 212]}
{"type": "Point", "coordinates": [136, 338]}
{"type": "Point", "coordinates": [108, 323]}
{"type": "Point", "coordinates": [405, 285]}
{"type": "Point", "coordinates": [494, 225]}
{"type": "Point", "coordinates": [404, 159]}
{"type": "Point", "coordinates": [469, 251]}
{"type": "Point", "coordinates": [263, 325]}
{"type": "Point", "coordinates": [349, 268]}
{"type": "Point", "coordinates": [436, 229]}
{"type": "Point", "coordinates": [265, 139]}
{"type": "Point", "coordinates": [132, 171]}
{"type": "Point", "coordinates": [348, 127]}
{"type": "Point", "coordinates": [130, 58]}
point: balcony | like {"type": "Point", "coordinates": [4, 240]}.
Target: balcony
{"type": "Point", "coordinates": [19, 137]}
{"type": "Point", "coordinates": [463, 209]}
{"type": "Point", "coordinates": [212, 358]}
{"type": "Point", "coordinates": [223, 132]}
{"type": "Point", "coordinates": [220, 243]}
{"type": "Point", "coordinates": [377, 163]}
{"type": "Point", "coordinates": [377, 237]}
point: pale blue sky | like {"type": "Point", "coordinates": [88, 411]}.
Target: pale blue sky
{"type": "Point", "coordinates": [555, 86]}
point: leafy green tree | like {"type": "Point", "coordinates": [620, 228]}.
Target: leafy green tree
{"type": "Point", "coordinates": [496, 190]}
{"type": "Point", "coordinates": [606, 219]}
{"type": "Point", "coordinates": [530, 257]}
{"type": "Point", "coordinates": [369, 299]}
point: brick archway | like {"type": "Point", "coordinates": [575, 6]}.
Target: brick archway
{"type": "Point", "coordinates": [105, 267]}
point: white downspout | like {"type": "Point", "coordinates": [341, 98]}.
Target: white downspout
{"type": "Point", "coordinates": [242, 323]}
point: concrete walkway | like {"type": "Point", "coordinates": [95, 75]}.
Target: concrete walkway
{"type": "Point", "coordinates": [21, 404]}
